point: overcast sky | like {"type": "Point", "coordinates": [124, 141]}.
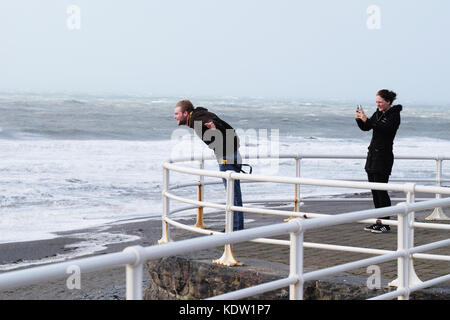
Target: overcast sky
{"type": "Point", "coordinates": [280, 48]}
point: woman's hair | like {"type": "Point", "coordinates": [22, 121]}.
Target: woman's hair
{"type": "Point", "coordinates": [387, 95]}
{"type": "Point", "coordinates": [185, 105]}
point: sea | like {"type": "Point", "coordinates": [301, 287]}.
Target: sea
{"type": "Point", "coordinates": [74, 161]}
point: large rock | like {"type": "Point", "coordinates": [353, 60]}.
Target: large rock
{"type": "Point", "coordinates": [184, 277]}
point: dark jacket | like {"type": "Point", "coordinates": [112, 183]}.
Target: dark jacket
{"type": "Point", "coordinates": [384, 125]}
{"type": "Point", "coordinates": [223, 141]}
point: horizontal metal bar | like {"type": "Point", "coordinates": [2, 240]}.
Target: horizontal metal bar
{"type": "Point", "coordinates": [195, 202]}
{"type": "Point", "coordinates": [306, 181]}
{"type": "Point", "coordinates": [432, 189]}
{"type": "Point", "coordinates": [318, 274]}
{"type": "Point", "coordinates": [390, 295]}
{"type": "Point", "coordinates": [200, 243]}
{"type": "Point", "coordinates": [429, 283]}
{"type": "Point", "coordinates": [266, 211]}
{"type": "Point", "coordinates": [430, 246]}
{"type": "Point", "coordinates": [305, 156]}
{"type": "Point", "coordinates": [394, 180]}
{"type": "Point", "coordinates": [347, 199]}
{"type": "Point", "coordinates": [272, 241]}
{"type": "Point", "coordinates": [174, 211]}
{"type": "Point", "coordinates": [196, 184]}
{"type": "Point", "coordinates": [372, 213]}
{"type": "Point", "coordinates": [419, 286]}
{"type": "Point", "coordinates": [370, 251]}
{"type": "Point", "coordinates": [422, 225]}
{"type": "Point", "coordinates": [58, 270]}
{"type": "Point", "coordinates": [334, 247]}
{"type": "Point", "coordinates": [255, 290]}
{"type": "Point", "coordinates": [189, 228]}
{"type": "Point", "coordinates": [183, 185]}
{"type": "Point", "coordinates": [206, 183]}
{"type": "Point", "coordinates": [49, 272]}
{"type": "Point", "coordinates": [322, 246]}
{"type": "Point", "coordinates": [425, 256]}
{"type": "Point", "coordinates": [182, 209]}
{"type": "Point", "coordinates": [194, 171]}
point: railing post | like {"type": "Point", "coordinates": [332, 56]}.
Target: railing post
{"type": "Point", "coordinates": [228, 258]}
{"type": "Point", "coordinates": [405, 240]}
{"type": "Point", "coordinates": [297, 186]}
{"type": "Point", "coordinates": [199, 223]}
{"type": "Point", "coordinates": [403, 246]}
{"type": "Point", "coordinates": [134, 274]}
{"type": "Point", "coordinates": [297, 197]}
{"type": "Point", "coordinates": [296, 265]}
{"type": "Point", "coordinates": [165, 238]}
{"type": "Point", "coordinates": [438, 213]}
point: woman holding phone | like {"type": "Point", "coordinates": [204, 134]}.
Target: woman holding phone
{"type": "Point", "coordinates": [384, 124]}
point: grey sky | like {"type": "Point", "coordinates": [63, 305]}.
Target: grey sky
{"type": "Point", "coordinates": [280, 48]}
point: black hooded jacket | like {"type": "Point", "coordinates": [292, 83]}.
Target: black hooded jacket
{"type": "Point", "coordinates": [380, 157]}
{"type": "Point", "coordinates": [223, 142]}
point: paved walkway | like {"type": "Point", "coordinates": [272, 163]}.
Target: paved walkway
{"type": "Point", "coordinates": [346, 234]}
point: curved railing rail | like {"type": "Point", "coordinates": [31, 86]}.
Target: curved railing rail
{"type": "Point", "coordinates": [438, 179]}
{"type": "Point", "coordinates": [297, 199]}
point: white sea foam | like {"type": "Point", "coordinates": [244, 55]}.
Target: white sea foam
{"type": "Point", "coordinates": [89, 243]}
{"type": "Point", "coordinates": [50, 186]}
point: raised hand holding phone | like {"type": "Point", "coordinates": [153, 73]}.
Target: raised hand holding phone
{"type": "Point", "coordinates": [357, 113]}
{"type": "Point", "coordinates": [362, 115]}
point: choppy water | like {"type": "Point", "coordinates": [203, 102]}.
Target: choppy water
{"type": "Point", "coordinates": [70, 161]}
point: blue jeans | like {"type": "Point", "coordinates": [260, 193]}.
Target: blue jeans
{"type": "Point", "coordinates": [238, 216]}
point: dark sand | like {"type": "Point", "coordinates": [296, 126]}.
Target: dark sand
{"type": "Point", "coordinates": [108, 284]}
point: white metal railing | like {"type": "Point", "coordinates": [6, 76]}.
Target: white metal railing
{"type": "Point", "coordinates": [228, 258]}
{"type": "Point", "coordinates": [134, 257]}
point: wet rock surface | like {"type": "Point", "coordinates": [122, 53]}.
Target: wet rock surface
{"type": "Point", "coordinates": [187, 278]}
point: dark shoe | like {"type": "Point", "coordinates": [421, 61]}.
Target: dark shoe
{"type": "Point", "coordinates": [370, 228]}
{"type": "Point", "coordinates": [381, 228]}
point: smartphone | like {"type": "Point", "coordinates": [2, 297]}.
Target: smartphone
{"type": "Point", "coordinates": [358, 107]}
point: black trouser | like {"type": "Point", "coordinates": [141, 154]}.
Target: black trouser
{"type": "Point", "coordinates": [380, 197]}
